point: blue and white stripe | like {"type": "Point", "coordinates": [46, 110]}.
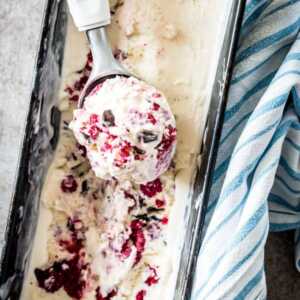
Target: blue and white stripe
{"type": "Point", "coordinates": [256, 182]}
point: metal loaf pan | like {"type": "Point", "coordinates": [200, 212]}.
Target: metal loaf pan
{"type": "Point", "coordinates": [40, 141]}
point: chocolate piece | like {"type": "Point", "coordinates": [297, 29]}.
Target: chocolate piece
{"type": "Point", "coordinates": [138, 150]}
{"type": "Point", "coordinates": [108, 118]}
{"type": "Point", "coordinates": [147, 136]}
{"type": "Point", "coordinates": [154, 209]}
{"type": "Point", "coordinates": [84, 187]}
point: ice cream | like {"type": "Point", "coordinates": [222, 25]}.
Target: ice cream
{"type": "Point", "coordinates": [116, 239]}
{"type": "Point", "coordinates": [128, 130]}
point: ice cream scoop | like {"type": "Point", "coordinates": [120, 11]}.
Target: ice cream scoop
{"type": "Point", "coordinates": [93, 16]}
{"type": "Point", "coordinates": [125, 124]}
{"type": "Point", "coordinates": [126, 138]}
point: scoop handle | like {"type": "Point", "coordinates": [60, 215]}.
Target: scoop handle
{"type": "Point", "coordinates": [90, 14]}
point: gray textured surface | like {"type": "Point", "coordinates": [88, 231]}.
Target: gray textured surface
{"type": "Point", "coordinates": [282, 277]}
{"type": "Point", "coordinates": [20, 25]}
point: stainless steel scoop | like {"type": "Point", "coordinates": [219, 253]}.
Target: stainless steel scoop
{"type": "Point", "coordinates": [93, 16]}
{"type": "Point", "coordinates": [104, 64]}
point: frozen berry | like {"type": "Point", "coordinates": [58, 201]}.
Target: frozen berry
{"type": "Point", "coordinates": [156, 106]}
{"type": "Point", "coordinates": [159, 203]}
{"type": "Point", "coordinates": [156, 95]}
{"type": "Point", "coordinates": [94, 132]}
{"type": "Point", "coordinates": [153, 278]}
{"type": "Point", "coordinates": [66, 274]}
{"type": "Point", "coordinates": [73, 245]}
{"type": "Point", "coordinates": [90, 57]}
{"type": "Point", "coordinates": [151, 118]}
{"type": "Point", "coordinates": [74, 98]}
{"type": "Point", "coordinates": [126, 249]}
{"type": "Point", "coordinates": [138, 238]}
{"type": "Point", "coordinates": [94, 119]}
{"type": "Point", "coordinates": [140, 295]}
{"type": "Point", "coordinates": [51, 279]}
{"type": "Point", "coordinates": [69, 184]}
{"type": "Point", "coordinates": [165, 220]}
{"type": "Point", "coordinates": [69, 90]}
{"type": "Point", "coordinates": [151, 188]}
{"type": "Point", "coordinates": [109, 296]}
{"type": "Point", "coordinates": [125, 150]}
{"type": "Point", "coordinates": [165, 146]}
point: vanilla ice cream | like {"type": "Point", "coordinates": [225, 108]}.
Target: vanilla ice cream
{"type": "Point", "coordinates": [114, 238]}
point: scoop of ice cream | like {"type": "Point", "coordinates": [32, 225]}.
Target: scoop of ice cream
{"type": "Point", "coordinates": [128, 130]}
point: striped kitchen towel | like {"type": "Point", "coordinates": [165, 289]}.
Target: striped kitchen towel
{"type": "Point", "coordinates": [256, 183]}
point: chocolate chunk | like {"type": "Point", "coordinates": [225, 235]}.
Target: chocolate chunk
{"type": "Point", "coordinates": [154, 209]}
{"type": "Point", "coordinates": [138, 150]}
{"type": "Point", "coordinates": [142, 202]}
{"type": "Point", "coordinates": [154, 218]}
{"type": "Point", "coordinates": [120, 55]}
{"type": "Point", "coordinates": [84, 187]}
{"type": "Point", "coordinates": [74, 156]}
{"type": "Point", "coordinates": [147, 136]}
{"type": "Point", "coordinates": [143, 217]}
{"type": "Point", "coordinates": [86, 136]}
{"type": "Point", "coordinates": [108, 118]}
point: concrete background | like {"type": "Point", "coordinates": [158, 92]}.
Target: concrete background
{"type": "Point", "coordinates": [20, 25]}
